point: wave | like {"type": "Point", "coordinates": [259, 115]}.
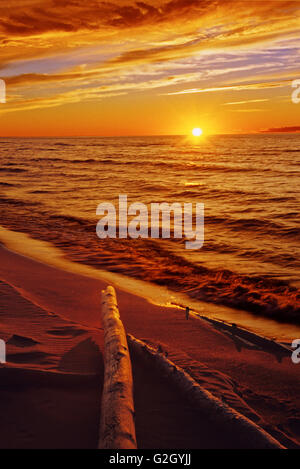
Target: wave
{"type": "Point", "coordinates": [152, 261]}
{"type": "Point", "coordinates": [40, 192]}
{"type": "Point", "coordinates": [68, 161]}
{"type": "Point", "coordinates": [71, 219]}
{"type": "Point", "coordinates": [263, 255]}
{"type": "Point", "coordinates": [255, 224]}
{"type": "Point", "coordinates": [289, 216]}
{"type": "Point", "coordinates": [44, 160]}
{"type": "Point", "coordinates": [153, 187]}
{"type": "Point", "coordinates": [171, 165]}
{"type": "Point", "coordinates": [89, 160]}
{"type": "Point", "coordinates": [13, 170]}
{"type": "Point", "coordinates": [216, 193]}
{"type": "Point", "coordinates": [282, 199]}
{"type": "Point", "coordinates": [17, 202]}
{"type": "Point", "coordinates": [147, 260]}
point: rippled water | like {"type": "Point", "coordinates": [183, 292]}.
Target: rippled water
{"type": "Point", "coordinates": [50, 188]}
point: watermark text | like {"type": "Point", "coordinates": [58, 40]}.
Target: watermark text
{"type": "Point", "coordinates": [136, 221]}
{"type": "Point", "coordinates": [296, 352]}
{"type": "Point", "coordinates": [2, 92]}
{"type": "Point", "coordinates": [2, 351]}
{"type": "Point", "coordinates": [296, 92]}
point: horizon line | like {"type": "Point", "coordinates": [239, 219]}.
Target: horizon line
{"type": "Point", "coordinates": [261, 132]}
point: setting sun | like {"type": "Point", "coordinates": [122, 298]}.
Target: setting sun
{"type": "Point", "coordinates": [197, 132]}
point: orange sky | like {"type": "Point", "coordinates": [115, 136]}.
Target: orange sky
{"type": "Point", "coordinates": [78, 67]}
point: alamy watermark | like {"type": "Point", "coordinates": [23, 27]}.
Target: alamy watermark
{"type": "Point", "coordinates": [296, 92]}
{"type": "Point", "coordinates": [2, 92]}
{"type": "Point", "coordinates": [2, 351]}
{"type": "Point", "coordinates": [296, 353]}
{"type": "Point", "coordinates": [135, 221]}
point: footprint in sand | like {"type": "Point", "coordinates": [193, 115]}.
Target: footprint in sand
{"type": "Point", "coordinates": [67, 331]}
{"type": "Point", "coordinates": [21, 341]}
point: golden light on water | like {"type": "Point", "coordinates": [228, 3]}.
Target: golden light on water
{"type": "Point", "coordinates": [197, 132]}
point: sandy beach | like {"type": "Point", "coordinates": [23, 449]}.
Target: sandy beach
{"type": "Point", "coordinates": [50, 319]}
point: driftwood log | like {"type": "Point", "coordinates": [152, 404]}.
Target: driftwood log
{"type": "Point", "coordinates": [245, 433]}
{"type": "Point", "coordinates": [117, 428]}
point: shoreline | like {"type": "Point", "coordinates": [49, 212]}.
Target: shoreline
{"type": "Point", "coordinates": [46, 253]}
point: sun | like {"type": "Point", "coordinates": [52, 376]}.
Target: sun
{"type": "Point", "coordinates": [197, 132]}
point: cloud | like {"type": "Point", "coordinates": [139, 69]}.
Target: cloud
{"type": "Point", "coordinates": [32, 18]}
{"type": "Point", "coordinates": [93, 90]}
{"type": "Point", "coordinates": [58, 99]}
{"type": "Point", "coordinates": [247, 110]}
{"type": "Point", "coordinates": [235, 103]}
{"type": "Point", "coordinates": [164, 30]}
{"type": "Point", "coordinates": [237, 87]}
{"type": "Point", "coordinates": [290, 129]}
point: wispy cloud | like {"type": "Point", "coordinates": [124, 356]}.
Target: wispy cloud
{"type": "Point", "coordinates": [248, 101]}
{"type": "Point", "coordinates": [238, 87]}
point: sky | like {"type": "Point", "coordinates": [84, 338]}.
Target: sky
{"type": "Point", "coordinates": [123, 67]}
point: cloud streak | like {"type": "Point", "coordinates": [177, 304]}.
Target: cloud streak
{"type": "Point", "coordinates": [237, 87]}
{"type": "Point", "coordinates": [248, 101]}
{"type": "Point", "coordinates": [290, 129]}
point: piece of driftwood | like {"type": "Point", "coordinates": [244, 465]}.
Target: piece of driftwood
{"type": "Point", "coordinates": [245, 433]}
{"type": "Point", "coordinates": [117, 428]}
